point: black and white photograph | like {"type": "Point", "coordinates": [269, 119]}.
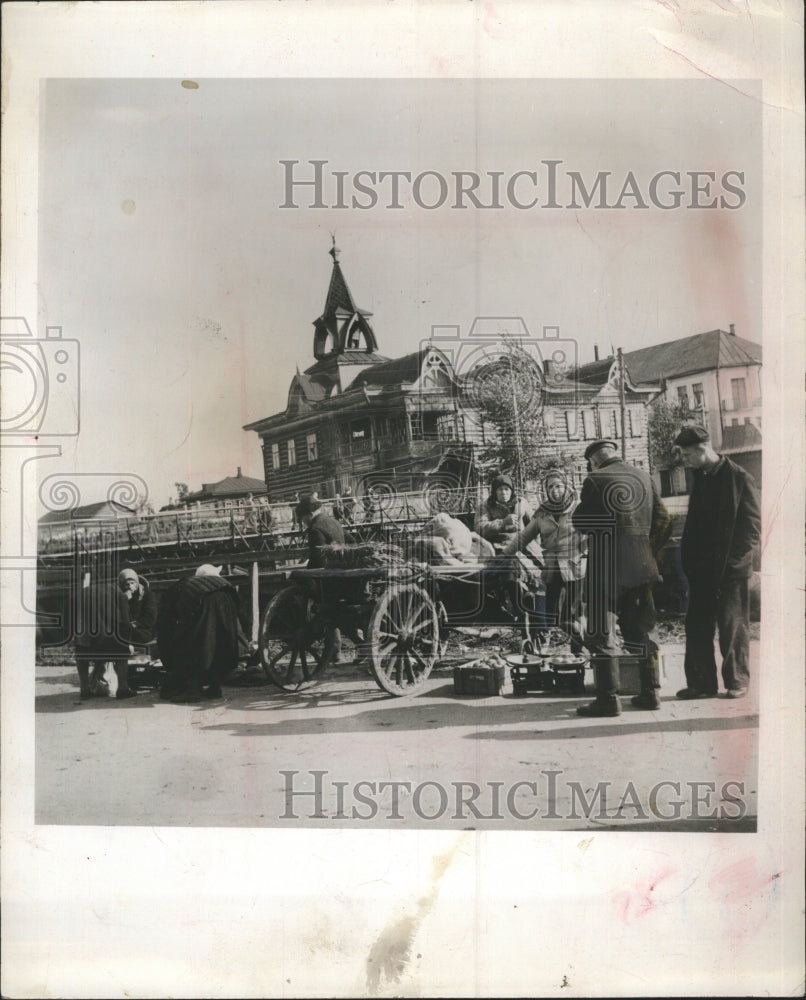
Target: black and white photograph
{"type": "Point", "coordinates": [403, 481]}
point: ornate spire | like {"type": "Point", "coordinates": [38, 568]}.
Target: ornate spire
{"type": "Point", "coordinates": [342, 325]}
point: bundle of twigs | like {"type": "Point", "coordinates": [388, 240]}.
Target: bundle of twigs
{"type": "Point", "coordinates": [367, 555]}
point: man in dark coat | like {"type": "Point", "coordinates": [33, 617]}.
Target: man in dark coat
{"type": "Point", "coordinates": [627, 525]}
{"type": "Point", "coordinates": [719, 542]}
{"type": "Point", "coordinates": [321, 527]}
{"type": "Point", "coordinates": [198, 635]}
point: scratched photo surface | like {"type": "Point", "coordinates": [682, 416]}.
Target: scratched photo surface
{"type": "Point", "coordinates": [363, 251]}
{"type": "Point", "coordinates": [274, 287]}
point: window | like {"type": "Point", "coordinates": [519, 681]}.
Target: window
{"type": "Point", "coordinates": [682, 396]}
{"type": "Point", "coordinates": [313, 447]}
{"type": "Point", "coordinates": [571, 424]}
{"type": "Point", "coordinates": [292, 452]}
{"type": "Point", "coordinates": [698, 395]}
{"type": "Point", "coordinates": [613, 418]}
{"type": "Point", "coordinates": [588, 424]}
{"type": "Point", "coordinates": [634, 421]}
{"type": "Point", "coordinates": [447, 427]}
{"type": "Point", "coordinates": [275, 456]}
{"type": "Point", "coordinates": [417, 426]}
{"type": "Point", "coordinates": [739, 390]}
{"type": "Point", "coordinates": [354, 338]}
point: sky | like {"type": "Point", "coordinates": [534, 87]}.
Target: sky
{"type": "Point", "coordinates": [164, 249]}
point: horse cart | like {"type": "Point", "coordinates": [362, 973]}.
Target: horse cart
{"type": "Point", "coordinates": [397, 616]}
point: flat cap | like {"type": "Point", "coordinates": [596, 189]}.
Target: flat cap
{"type": "Point", "coordinates": [691, 435]}
{"type": "Point", "coordinates": [596, 445]}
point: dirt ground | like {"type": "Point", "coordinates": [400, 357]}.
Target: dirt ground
{"type": "Point", "coordinates": [345, 754]}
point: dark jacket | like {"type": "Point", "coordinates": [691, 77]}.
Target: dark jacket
{"type": "Point", "coordinates": [620, 501]}
{"type": "Point", "coordinates": [103, 630]}
{"type": "Point", "coordinates": [143, 614]}
{"type": "Point", "coordinates": [738, 525]}
{"type": "Point", "coordinates": [496, 521]}
{"type": "Point", "coordinates": [323, 530]}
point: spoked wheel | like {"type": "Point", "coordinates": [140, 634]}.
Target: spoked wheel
{"type": "Point", "coordinates": [295, 649]}
{"type": "Point", "coordinates": [404, 639]}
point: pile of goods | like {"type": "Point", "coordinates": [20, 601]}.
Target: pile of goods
{"type": "Point", "coordinates": [484, 676]}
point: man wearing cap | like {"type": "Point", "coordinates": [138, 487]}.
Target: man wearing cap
{"type": "Point", "coordinates": [322, 528]}
{"type": "Point", "coordinates": [627, 524]}
{"type": "Point", "coordinates": [199, 635]}
{"type": "Point", "coordinates": [719, 543]}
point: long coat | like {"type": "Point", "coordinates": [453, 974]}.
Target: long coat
{"type": "Point", "coordinates": [738, 525]}
{"type": "Point", "coordinates": [198, 627]}
{"type": "Point", "coordinates": [103, 629]}
{"type": "Point", "coordinates": [621, 509]}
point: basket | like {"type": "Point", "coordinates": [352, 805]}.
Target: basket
{"type": "Point", "coordinates": [478, 678]}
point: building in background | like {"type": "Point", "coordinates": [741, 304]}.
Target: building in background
{"type": "Point", "coordinates": [228, 492]}
{"type": "Point", "coordinates": [716, 379]}
{"type": "Point", "coordinates": [59, 526]}
{"type": "Point", "coordinates": [356, 418]}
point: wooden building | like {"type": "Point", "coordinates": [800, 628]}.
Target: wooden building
{"type": "Point", "coordinates": [356, 418]}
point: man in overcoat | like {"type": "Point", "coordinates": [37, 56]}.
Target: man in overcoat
{"type": "Point", "coordinates": [719, 543]}
{"type": "Point", "coordinates": [627, 525]}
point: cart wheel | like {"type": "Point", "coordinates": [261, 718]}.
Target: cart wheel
{"type": "Point", "coordinates": [294, 647]}
{"type": "Point", "coordinates": [404, 639]}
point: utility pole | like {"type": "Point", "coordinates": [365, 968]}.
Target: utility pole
{"type": "Point", "coordinates": [622, 404]}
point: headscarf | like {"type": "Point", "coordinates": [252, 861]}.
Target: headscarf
{"type": "Point", "coordinates": [208, 570]}
{"type": "Point", "coordinates": [128, 574]}
{"type": "Point", "coordinates": [568, 497]}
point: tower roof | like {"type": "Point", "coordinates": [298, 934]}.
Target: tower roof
{"type": "Point", "coordinates": [342, 325]}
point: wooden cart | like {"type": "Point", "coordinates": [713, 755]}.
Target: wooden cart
{"type": "Point", "coordinates": [397, 617]}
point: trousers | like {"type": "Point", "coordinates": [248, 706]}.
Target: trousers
{"type": "Point", "coordinates": [725, 608]}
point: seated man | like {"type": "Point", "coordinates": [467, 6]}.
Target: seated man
{"type": "Point", "coordinates": [502, 514]}
{"type": "Point", "coordinates": [199, 635]}
{"type": "Point", "coordinates": [321, 529]}
{"type": "Point", "coordinates": [103, 634]}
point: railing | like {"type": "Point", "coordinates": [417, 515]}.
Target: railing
{"type": "Point", "coordinates": [382, 507]}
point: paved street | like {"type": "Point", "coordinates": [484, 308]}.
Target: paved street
{"type": "Point", "coordinates": [433, 761]}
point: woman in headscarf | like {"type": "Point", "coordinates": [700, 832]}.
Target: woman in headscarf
{"type": "Point", "coordinates": [142, 606]}
{"type": "Point", "coordinates": [502, 513]}
{"type": "Point", "coordinates": [564, 548]}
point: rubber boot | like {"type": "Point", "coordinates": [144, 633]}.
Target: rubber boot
{"type": "Point", "coordinates": [122, 670]}
{"type": "Point", "coordinates": [650, 683]}
{"type": "Point", "coordinates": [606, 675]}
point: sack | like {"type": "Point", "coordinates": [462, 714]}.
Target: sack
{"type": "Point", "coordinates": [458, 536]}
